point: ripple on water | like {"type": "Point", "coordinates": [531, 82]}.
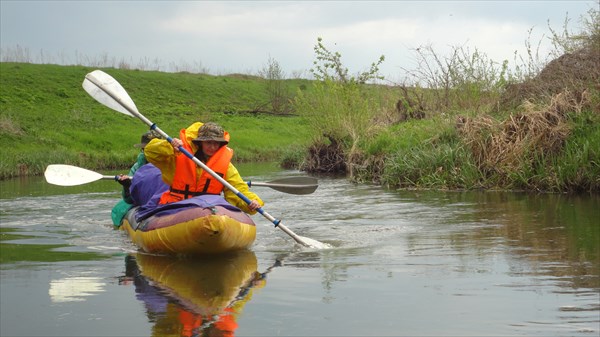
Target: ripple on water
{"type": "Point", "coordinates": [80, 221]}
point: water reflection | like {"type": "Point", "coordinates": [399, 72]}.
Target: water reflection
{"type": "Point", "coordinates": [555, 235]}
{"type": "Point", "coordinates": [75, 288]}
{"type": "Point", "coordinates": [194, 297]}
{"type": "Point", "coordinates": [550, 243]}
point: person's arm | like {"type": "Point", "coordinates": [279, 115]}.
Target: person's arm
{"type": "Point", "coordinates": [233, 177]}
{"type": "Point", "coordinates": [162, 155]}
{"type": "Point", "coordinates": [125, 181]}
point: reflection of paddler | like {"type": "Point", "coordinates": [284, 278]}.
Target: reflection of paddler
{"type": "Point", "coordinates": [203, 294]}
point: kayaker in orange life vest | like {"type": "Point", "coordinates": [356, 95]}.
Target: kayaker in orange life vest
{"type": "Point", "coordinates": [208, 142]}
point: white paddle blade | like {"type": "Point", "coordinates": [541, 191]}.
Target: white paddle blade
{"type": "Point", "coordinates": [312, 243]}
{"type": "Point", "coordinates": [67, 175]}
{"type": "Point", "coordinates": [106, 90]}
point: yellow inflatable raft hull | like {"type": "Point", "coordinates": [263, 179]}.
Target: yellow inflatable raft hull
{"type": "Point", "coordinates": [192, 231]}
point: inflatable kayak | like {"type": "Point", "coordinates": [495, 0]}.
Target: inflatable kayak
{"type": "Point", "coordinates": [205, 224]}
{"type": "Point", "coordinates": [192, 230]}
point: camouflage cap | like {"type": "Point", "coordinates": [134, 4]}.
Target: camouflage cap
{"type": "Point", "coordinates": [211, 132]}
{"type": "Point", "coordinates": [147, 137]}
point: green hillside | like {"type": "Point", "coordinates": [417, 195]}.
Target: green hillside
{"type": "Point", "coordinates": [46, 117]}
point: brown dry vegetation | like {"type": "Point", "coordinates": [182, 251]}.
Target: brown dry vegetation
{"type": "Point", "coordinates": [9, 127]}
{"type": "Point", "coordinates": [502, 147]}
{"type": "Point", "coordinates": [575, 71]}
{"type": "Point", "coordinates": [540, 125]}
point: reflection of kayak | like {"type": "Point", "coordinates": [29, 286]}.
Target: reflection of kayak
{"type": "Point", "coordinates": [205, 224]}
{"type": "Point", "coordinates": [192, 230]}
{"type": "Point", "coordinates": [203, 286]}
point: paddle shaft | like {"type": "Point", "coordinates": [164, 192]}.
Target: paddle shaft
{"type": "Point", "coordinates": [69, 175]}
{"type": "Point", "coordinates": [153, 126]}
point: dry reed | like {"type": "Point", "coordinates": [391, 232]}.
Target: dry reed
{"type": "Point", "coordinates": [504, 147]}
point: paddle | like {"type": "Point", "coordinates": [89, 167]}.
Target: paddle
{"type": "Point", "coordinates": [291, 185]}
{"type": "Point", "coordinates": [106, 90]}
{"type": "Point", "coordinates": [67, 175]}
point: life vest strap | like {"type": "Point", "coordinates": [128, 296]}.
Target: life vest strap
{"type": "Point", "coordinates": [186, 193]}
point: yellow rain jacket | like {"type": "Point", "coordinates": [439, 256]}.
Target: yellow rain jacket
{"type": "Point", "coordinates": [160, 153]}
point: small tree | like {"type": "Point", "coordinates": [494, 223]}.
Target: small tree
{"type": "Point", "coordinates": [566, 41]}
{"type": "Point", "coordinates": [327, 60]}
{"type": "Point", "coordinates": [462, 79]}
{"type": "Point", "coordinates": [339, 109]}
{"type": "Point", "coordinates": [276, 90]}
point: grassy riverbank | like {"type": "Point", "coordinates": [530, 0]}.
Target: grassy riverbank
{"type": "Point", "coordinates": [47, 118]}
{"type": "Point", "coordinates": [476, 124]}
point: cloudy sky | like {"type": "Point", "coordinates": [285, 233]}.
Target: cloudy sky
{"type": "Point", "coordinates": [241, 36]}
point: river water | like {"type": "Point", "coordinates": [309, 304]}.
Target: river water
{"type": "Point", "coordinates": [402, 263]}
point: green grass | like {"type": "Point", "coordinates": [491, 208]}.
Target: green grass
{"type": "Point", "coordinates": [578, 166]}
{"type": "Point", "coordinates": [428, 154]}
{"type": "Point", "coordinates": [47, 118]}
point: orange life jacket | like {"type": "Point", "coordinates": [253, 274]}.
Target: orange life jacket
{"type": "Point", "coordinates": [185, 184]}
